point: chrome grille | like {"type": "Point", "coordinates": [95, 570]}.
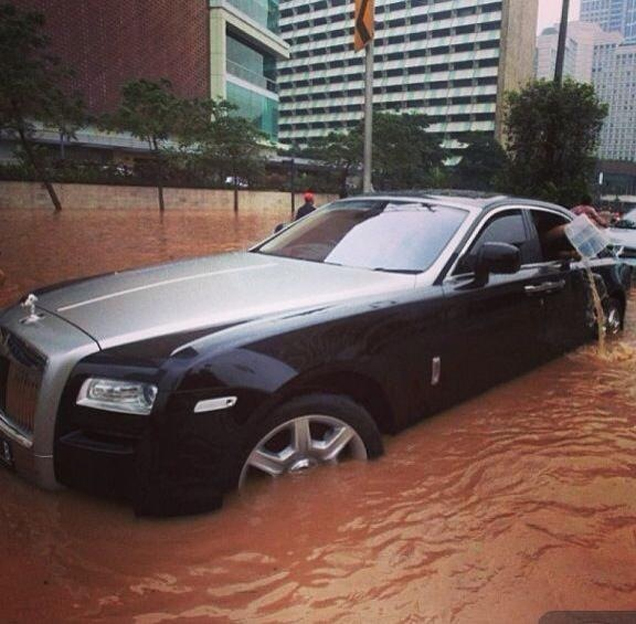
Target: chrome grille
{"type": "Point", "coordinates": [21, 370]}
{"type": "Point", "coordinates": [23, 385]}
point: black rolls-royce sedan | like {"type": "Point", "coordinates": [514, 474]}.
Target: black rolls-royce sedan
{"type": "Point", "coordinates": [177, 383]}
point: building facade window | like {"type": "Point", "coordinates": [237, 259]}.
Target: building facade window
{"type": "Point", "coordinates": [263, 110]}
{"type": "Point", "coordinates": [250, 64]}
{"type": "Point", "coordinates": [264, 12]}
{"type": "Point", "coordinates": [437, 57]}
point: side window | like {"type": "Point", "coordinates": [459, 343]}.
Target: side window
{"type": "Point", "coordinates": [550, 231]}
{"type": "Point", "coordinates": [505, 227]}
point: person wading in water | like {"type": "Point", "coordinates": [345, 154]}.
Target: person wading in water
{"type": "Point", "coordinates": [307, 207]}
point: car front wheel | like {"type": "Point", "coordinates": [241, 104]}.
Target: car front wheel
{"type": "Point", "coordinates": [309, 431]}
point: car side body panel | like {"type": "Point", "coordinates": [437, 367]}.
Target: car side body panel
{"type": "Point", "coordinates": [386, 344]}
{"type": "Point", "coordinates": [228, 340]}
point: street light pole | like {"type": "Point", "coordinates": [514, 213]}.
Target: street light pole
{"type": "Point", "coordinates": [367, 185]}
{"type": "Point", "coordinates": [563, 33]}
{"type": "Point", "coordinates": [292, 184]}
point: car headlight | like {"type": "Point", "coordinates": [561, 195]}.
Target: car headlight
{"type": "Point", "coordinates": [115, 395]}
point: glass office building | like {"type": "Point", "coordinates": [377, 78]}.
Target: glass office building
{"type": "Point", "coordinates": [245, 49]}
{"type": "Point", "coordinates": [264, 12]}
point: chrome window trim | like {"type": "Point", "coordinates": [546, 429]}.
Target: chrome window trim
{"type": "Point", "coordinates": [523, 207]}
{"type": "Point", "coordinates": [428, 277]}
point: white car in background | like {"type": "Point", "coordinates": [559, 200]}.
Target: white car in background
{"type": "Point", "coordinates": [623, 237]}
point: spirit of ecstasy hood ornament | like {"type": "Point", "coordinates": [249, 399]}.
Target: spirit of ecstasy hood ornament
{"type": "Point", "coordinates": [29, 305]}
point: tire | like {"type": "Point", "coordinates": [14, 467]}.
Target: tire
{"type": "Point", "coordinates": [613, 316]}
{"type": "Point", "coordinates": [308, 431]}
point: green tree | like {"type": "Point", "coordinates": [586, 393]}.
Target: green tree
{"type": "Point", "coordinates": [152, 113]}
{"type": "Point", "coordinates": [552, 133]}
{"type": "Point", "coordinates": [229, 147]}
{"type": "Point", "coordinates": [405, 155]}
{"type": "Point", "coordinates": [31, 88]}
{"type": "Point", "coordinates": [67, 116]}
{"type": "Point", "coordinates": [341, 152]}
{"type": "Point", "coordinates": [483, 164]}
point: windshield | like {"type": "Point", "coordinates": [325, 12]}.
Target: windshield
{"type": "Point", "coordinates": [400, 236]}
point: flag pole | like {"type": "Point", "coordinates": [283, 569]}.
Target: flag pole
{"type": "Point", "coordinates": [367, 185]}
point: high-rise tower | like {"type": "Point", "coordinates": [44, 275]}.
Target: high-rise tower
{"type": "Point", "coordinates": [612, 15]}
{"type": "Point", "coordinates": [450, 59]}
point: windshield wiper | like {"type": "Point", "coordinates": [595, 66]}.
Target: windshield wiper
{"type": "Point", "coordinates": [404, 271]}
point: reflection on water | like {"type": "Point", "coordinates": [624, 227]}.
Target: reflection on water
{"type": "Point", "coordinates": [516, 503]}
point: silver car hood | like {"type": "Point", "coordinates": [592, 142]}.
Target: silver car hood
{"type": "Point", "coordinates": [210, 291]}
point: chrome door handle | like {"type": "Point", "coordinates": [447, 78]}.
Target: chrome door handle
{"type": "Point", "coordinates": [544, 288]}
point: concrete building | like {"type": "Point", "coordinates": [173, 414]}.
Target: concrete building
{"type": "Point", "coordinates": [245, 49]}
{"type": "Point", "coordinates": [614, 78]}
{"type": "Point", "coordinates": [579, 50]}
{"type": "Point", "coordinates": [206, 48]}
{"type": "Point", "coordinates": [450, 59]}
{"type": "Point", "coordinates": [612, 15]}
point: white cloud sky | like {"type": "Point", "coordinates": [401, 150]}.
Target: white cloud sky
{"type": "Point", "coordinates": [550, 12]}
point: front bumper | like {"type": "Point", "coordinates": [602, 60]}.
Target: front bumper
{"type": "Point", "coordinates": [104, 467]}
{"type": "Point", "coordinates": [172, 462]}
{"type": "Point", "coordinates": [49, 349]}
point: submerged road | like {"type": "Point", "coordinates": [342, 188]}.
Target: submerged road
{"type": "Point", "coordinates": [516, 503]}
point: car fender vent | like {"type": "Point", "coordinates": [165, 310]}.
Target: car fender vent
{"type": "Point", "coordinates": [436, 370]}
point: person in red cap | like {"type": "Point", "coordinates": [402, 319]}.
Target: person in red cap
{"type": "Point", "coordinates": [307, 207]}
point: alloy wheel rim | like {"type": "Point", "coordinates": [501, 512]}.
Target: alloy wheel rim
{"type": "Point", "coordinates": [303, 443]}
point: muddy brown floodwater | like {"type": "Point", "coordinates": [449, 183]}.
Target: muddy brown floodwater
{"type": "Point", "coordinates": [519, 502]}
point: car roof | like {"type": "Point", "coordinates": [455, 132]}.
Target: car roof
{"type": "Point", "coordinates": [474, 201]}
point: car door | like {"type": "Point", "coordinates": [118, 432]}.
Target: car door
{"type": "Point", "coordinates": [493, 329]}
{"type": "Point", "coordinates": [562, 284]}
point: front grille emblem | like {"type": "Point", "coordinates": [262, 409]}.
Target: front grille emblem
{"type": "Point", "coordinates": [29, 305]}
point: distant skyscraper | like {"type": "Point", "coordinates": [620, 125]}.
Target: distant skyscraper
{"type": "Point", "coordinates": [619, 15]}
{"type": "Point", "coordinates": [450, 59]}
{"type": "Point", "coordinates": [579, 50]}
{"type": "Point", "coordinates": [614, 78]}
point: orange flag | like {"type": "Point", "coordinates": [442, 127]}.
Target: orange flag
{"type": "Point", "coordinates": [364, 26]}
